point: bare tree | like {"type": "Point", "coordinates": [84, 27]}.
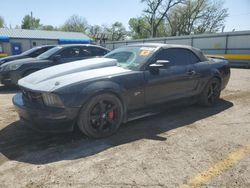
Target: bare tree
{"type": "Point", "coordinates": [116, 31]}
{"type": "Point", "coordinates": [197, 16]}
{"type": "Point", "coordinates": [75, 24]}
{"type": "Point", "coordinates": [95, 29]}
{"type": "Point", "coordinates": [156, 12]}
{"type": "Point", "coordinates": [212, 18]}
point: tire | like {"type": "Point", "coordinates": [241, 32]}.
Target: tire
{"type": "Point", "coordinates": [101, 116]}
{"type": "Point", "coordinates": [211, 93]}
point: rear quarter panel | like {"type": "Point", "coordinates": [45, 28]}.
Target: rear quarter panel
{"type": "Point", "coordinates": [209, 69]}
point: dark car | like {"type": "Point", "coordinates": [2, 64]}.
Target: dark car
{"type": "Point", "coordinates": [99, 94]}
{"type": "Point", "coordinates": [12, 71]}
{"type": "Point", "coordinates": [34, 52]}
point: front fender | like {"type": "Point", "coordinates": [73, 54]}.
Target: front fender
{"type": "Point", "coordinates": [101, 87]}
{"type": "Point", "coordinates": [83, 95]}
{"type": "Point", "coordinates": [77, 95]}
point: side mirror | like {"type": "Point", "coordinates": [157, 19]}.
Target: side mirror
{"type": "Point", "coordinates": [160, 64]}
{"type": "Point", "coordinates": [56, 58]}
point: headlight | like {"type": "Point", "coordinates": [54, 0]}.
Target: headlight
{"type": "Point", "coordinates": [51, 99]}
{"type": "Point", "coordinates": [11, 67]}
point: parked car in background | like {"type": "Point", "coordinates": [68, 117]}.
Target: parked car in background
{"type": "Point", "coordinates": [33, 52]}
{"type": "Point", "coordinates": [12, 71]}
{"type": "Point", "coordinates": [99, 94]}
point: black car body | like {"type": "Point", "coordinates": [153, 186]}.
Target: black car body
{"type": "Point", "coordinates": [34, 52]}
{"type": "Point", "coordinates": [11, 72]}
{"type": "Point", "coordinates": [98, 94]}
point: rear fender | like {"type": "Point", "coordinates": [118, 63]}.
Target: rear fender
{"type": "Point", "coordinates": [215, 73]}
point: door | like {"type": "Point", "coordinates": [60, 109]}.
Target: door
{"type": "Point", "coordinates": [16, 48]}
{"type": "Point", "coordinates": [178, 80]}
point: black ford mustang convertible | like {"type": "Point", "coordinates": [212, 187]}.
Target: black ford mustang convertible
{"type": "Point", "coordinates": [99, 94]}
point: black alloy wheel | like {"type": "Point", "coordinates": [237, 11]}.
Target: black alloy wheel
{"type": "Point", "coordinates": [101, 116]}
{"type": "Point", "coordinates": [211, 93]}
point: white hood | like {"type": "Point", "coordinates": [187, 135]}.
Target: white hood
{"type": "Point", "coordinates": [55, 77]}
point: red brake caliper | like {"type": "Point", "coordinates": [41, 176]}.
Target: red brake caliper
{"type": "Point", "coordinates": [111, 115]}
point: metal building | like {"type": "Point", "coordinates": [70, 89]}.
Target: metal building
{"type": "Point", "coordinates": [16, 41]}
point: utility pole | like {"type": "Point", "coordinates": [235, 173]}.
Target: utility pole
{"type": "Point", "coordinates": [31, 21]}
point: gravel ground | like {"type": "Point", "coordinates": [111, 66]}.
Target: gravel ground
{"type": "Point", "coordinates": [186, 147]}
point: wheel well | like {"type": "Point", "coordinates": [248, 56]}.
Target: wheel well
{"type": "Point", "coordinates": [205, 85]}
{"type": "Point", "coordinates": [217, 77]}
{"type": "Point", "coordinates": [107, 92]}
{"type": "Point", "coordinates": [115, 94]}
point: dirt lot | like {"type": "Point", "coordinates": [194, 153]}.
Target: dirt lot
{"type": "Point", "coordinates": [187, 147]}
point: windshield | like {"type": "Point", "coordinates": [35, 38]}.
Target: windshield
{"type": "Point", "coordinates": [49, 53]}
{"type": "Point", "coordinates": [131, 57]}
{"type": "Point", "coordinates": [28, 52]}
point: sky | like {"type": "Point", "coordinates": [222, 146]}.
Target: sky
{"type": "Point", "coordinates": [98, 12]}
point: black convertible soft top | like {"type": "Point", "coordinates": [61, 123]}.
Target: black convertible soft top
{"type": "Point", "coordinates": [196, 51]}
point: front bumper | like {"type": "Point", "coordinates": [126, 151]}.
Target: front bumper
{"type": "Point", "coordinates": [45, 119]}
{"type": "Point", "coordinates": [9, 77]}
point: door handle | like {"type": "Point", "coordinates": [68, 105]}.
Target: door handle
{"type": "Point", "coordinates": [191, 72]}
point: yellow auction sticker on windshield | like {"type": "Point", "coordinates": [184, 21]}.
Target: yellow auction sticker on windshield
{"type": "Point", "coordinates": [145, 53]}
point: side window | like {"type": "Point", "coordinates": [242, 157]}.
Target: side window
{"type": "Point", "coordinates": [174, 55]}
{"type": "Point", "coordinates": [193, 58]}
{"type": "Point", "coordinates": [85, 52]}
{"type": "Point", "coordinates": [162, 55]}
{"type": "Point", "coordinates": [38, 52]}
{"type": "Point", "coordinates": [178, 56]}
{"type": "Point", "coordinates": [98, 51]}
{"type": "Point", "coordinates": [70, 52]}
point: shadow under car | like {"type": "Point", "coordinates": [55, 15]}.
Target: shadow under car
{"type": "Point", "coordinates": [19, 143]}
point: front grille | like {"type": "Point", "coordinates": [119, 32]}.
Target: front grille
{"type": "Point", "coordinates": [34, 97]}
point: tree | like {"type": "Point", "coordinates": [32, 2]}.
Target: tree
{"type": "Point", "coordinates": [95, 29]}
{"type": "Point", "coordinates": [139, 27]}
{"type": "Point", "coordinates": [30, 22]}
{"type": "Point", "coordinates": [2, 22]}
{"type": "Point", "coordinates": [117, 31]}
{"type": "Point", "coordinates": [75, 24]}
{"type": "Point", "coordinates": [197, 16]}
{"type": "Point", "coordinates": [213, 18]}
{"type": "Point", "coordinates": [48, 28]}
{"type": "Point", "coordinates": [156, 12]}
